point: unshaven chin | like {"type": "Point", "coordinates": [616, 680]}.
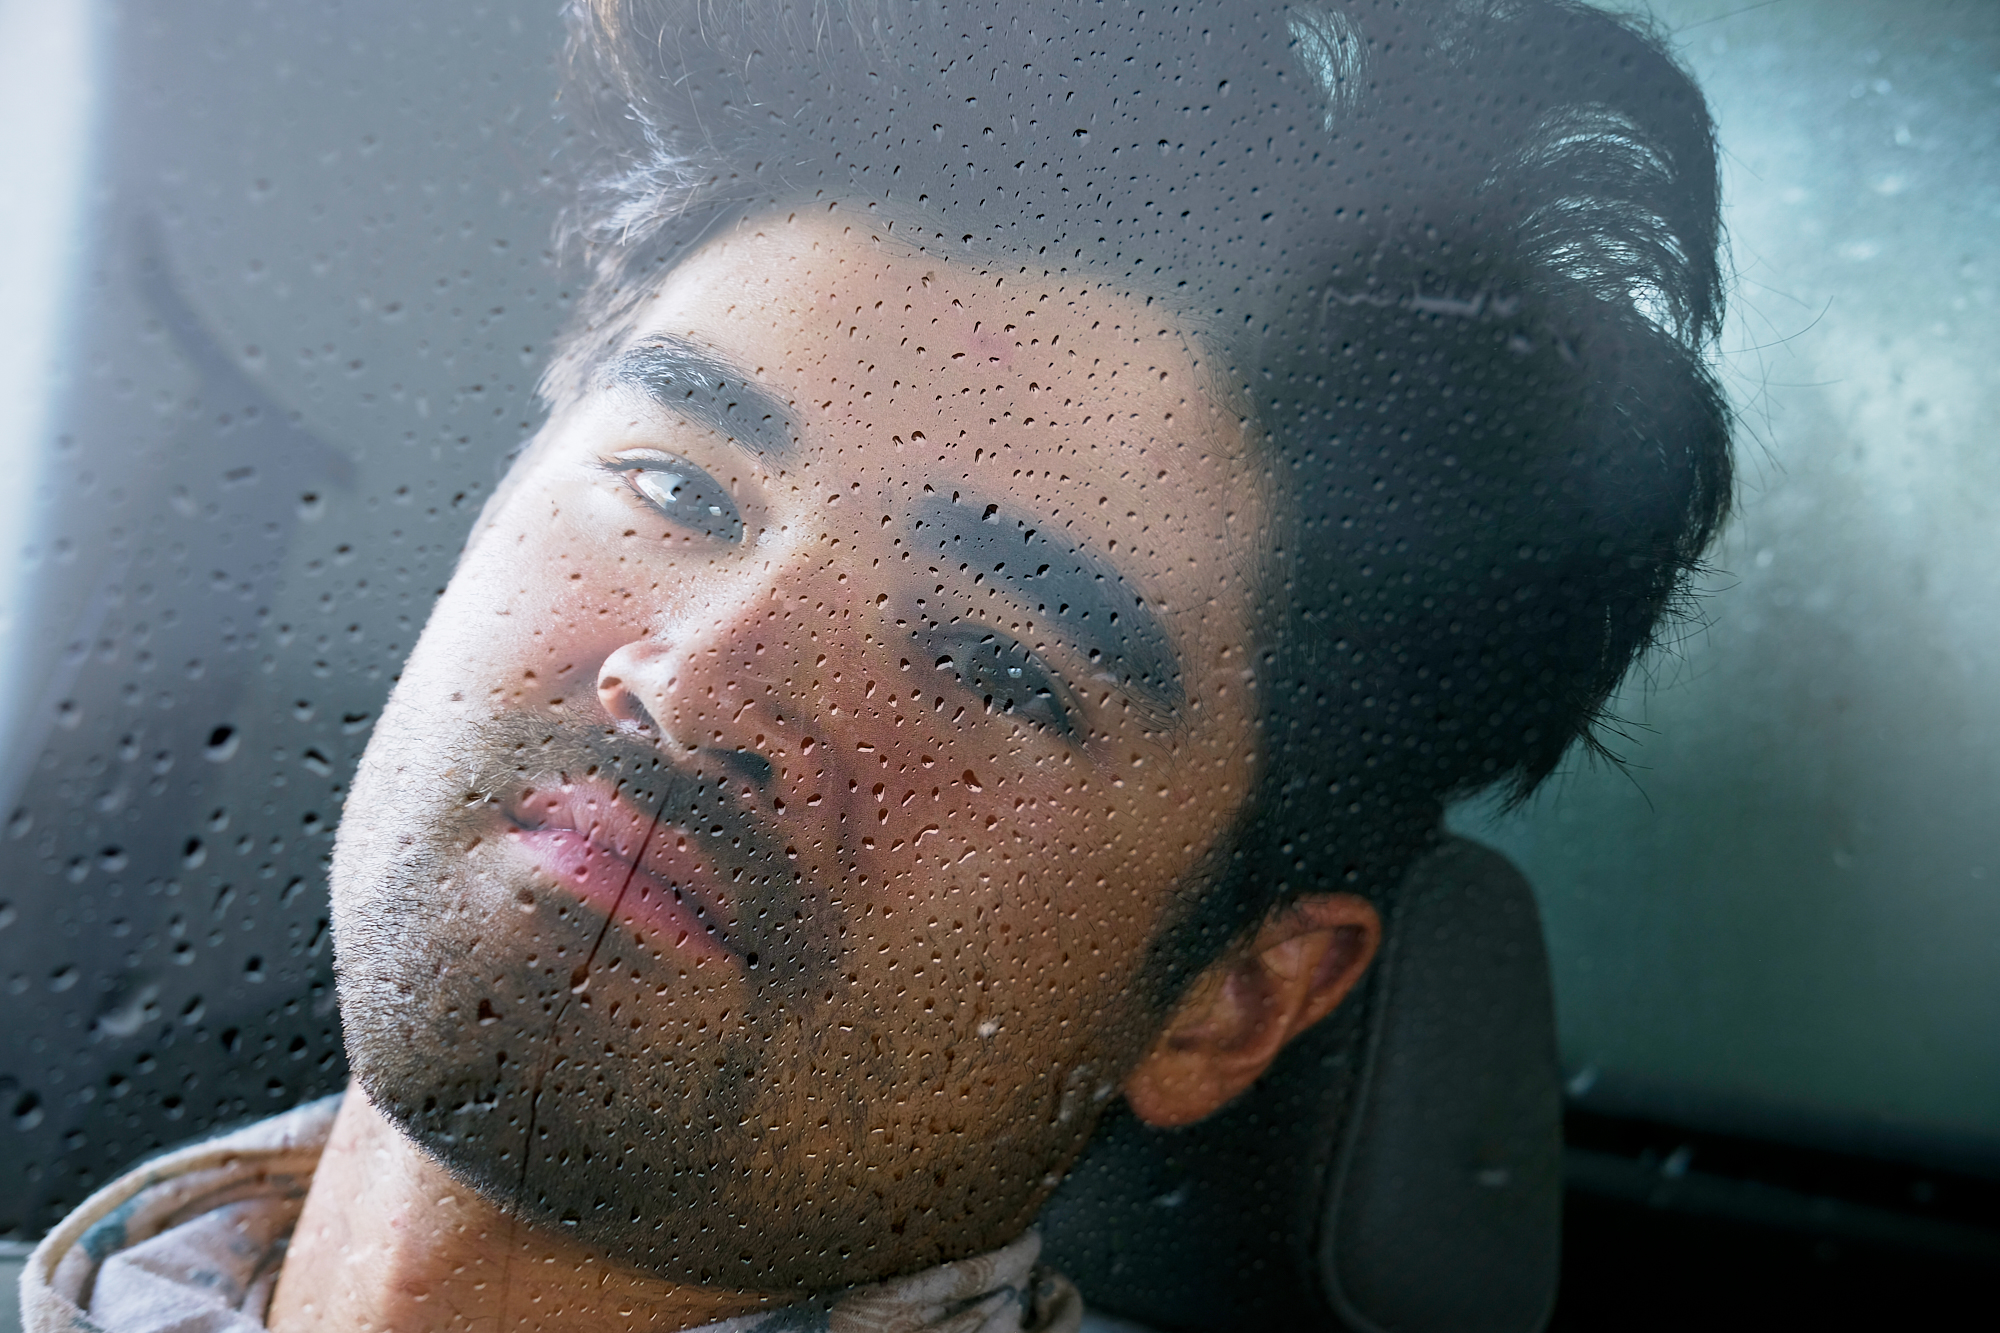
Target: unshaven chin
{"type": "Point", "coordinates": [389, 1239]}
{"type": "Point", "coordinates": [714, 1126]}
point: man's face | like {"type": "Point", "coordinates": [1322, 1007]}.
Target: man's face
{"type": "Point", "coordinates": [752, 869]}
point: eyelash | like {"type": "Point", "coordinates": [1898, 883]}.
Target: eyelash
{"type": "Point", "coordinates": [711, 512]}
{"type": "Point", "coordinates": [1009, 678]}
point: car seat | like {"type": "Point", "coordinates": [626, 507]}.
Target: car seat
{"type": "Point", "coordinates": [1398, 1170]}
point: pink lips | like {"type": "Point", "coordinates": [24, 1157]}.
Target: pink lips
{"type": "Point", "coordinates": [655, 891]}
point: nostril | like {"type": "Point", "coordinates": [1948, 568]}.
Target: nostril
{"type": "Point", "coordinates": [623, 704]}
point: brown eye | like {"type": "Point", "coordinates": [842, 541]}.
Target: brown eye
{"type": "Point", "coordinates": [681, 492]}
{"type": "Point", "coordinates": [1008, 679]}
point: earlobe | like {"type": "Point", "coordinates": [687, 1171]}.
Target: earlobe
{"type": "Point", "coordinates": [1239, 1014]}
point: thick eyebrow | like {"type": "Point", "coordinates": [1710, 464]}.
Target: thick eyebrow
{"type": "Point", "coordinates": [1086, 600]}
{"type": "Point", "coordinates": [701, 387]}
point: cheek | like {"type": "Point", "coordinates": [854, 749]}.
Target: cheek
{"type": "Point", "coordinates": [1001, 814]}
{"type": "Point", "coordinates": [1061, 881]}
{"type": "Point", "coordinates": [552, 580]}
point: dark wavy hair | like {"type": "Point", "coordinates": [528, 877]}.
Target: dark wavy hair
{"type": "Point", "coordinates": [1457, 259]}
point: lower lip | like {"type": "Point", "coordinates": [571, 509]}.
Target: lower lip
{"type": "Point", "coordinates": [629, 895]}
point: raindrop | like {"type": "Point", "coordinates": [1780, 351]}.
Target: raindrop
{"type": "Point", "coordinates": [221, 745]}
{"type": "Point", "coordinates": [125, 1020]}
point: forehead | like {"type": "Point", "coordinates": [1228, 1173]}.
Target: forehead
{"type": "Point", "coordinates": [1021, 360]}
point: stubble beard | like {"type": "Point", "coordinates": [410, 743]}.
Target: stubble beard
{"type": "Point", "coordinates": [598, 1088]}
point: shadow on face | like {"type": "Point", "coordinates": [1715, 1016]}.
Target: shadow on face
{"type": "Point", "coordinates": [752, 869]}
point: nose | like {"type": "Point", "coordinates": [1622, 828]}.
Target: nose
{"type": "Point", "coordinates": [627, 676]}
{"type": "Point", "coordinates": [769, 666]}
{"type": "Point", "coordinates": [625, 703]}
{"type": "Point", "coordinates": [706, 682]}
{"type": "Point", "coordinates": [661, 686]}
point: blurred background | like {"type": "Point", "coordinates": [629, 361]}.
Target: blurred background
{"type": "Point", "coordinates": [1788, 905]}
{"type": "Point", "coordinates": [277, 283]}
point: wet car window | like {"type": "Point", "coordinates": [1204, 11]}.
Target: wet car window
{"type": "Point", "coordinates": [804, 643]}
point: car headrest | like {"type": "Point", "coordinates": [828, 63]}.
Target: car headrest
{"type": "Point", "coordinates": [1397, 1170]}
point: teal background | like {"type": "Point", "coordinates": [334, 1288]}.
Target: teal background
{"type": "Point", "coordinates": [1789, 900]}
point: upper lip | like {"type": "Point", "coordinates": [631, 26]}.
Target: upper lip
{"type": "Point", "coordinates": [642, 825]}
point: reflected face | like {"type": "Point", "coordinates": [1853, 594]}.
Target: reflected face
{"type": "Point", "coordinates": [752, 869]}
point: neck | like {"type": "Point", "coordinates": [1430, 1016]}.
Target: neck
{"type": "Point", "coordinates": [388, 1240]}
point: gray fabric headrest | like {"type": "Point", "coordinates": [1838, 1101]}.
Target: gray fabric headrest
{"type": "Point", "coordinates": [1398, 1170]}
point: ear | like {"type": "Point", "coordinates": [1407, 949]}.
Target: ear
{"type": "Point", "coordinates": [1239, 1014]}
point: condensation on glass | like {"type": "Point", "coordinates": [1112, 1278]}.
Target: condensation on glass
{"type": "Point", "coordinates": [309, 290]}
